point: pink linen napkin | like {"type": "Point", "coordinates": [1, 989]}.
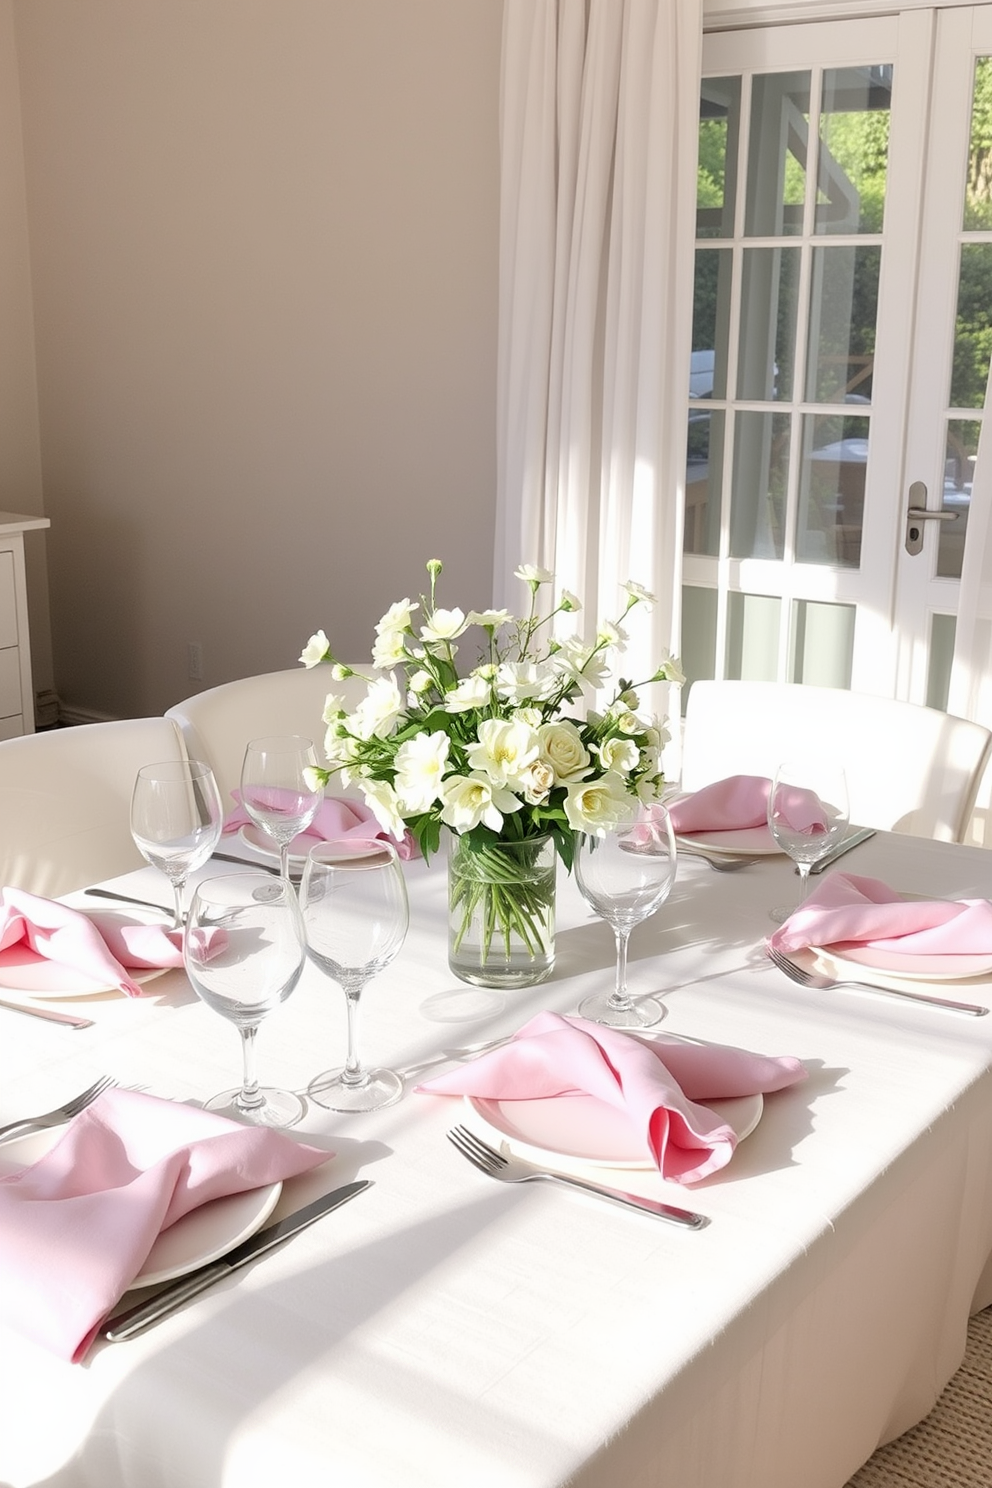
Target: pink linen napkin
{"type": "Point", "coordinates": [656, 1082]}
{"type": "Point", "coordinates": [337, 817]}
{"type": "Point", "coordinates": [77, 1226]}
{"type": "Point", "coordinates": [849, 910]}
{"type": "Point", "coordinates": [101, 946]}
{"type": "Point", "coordinates": [739, 802]}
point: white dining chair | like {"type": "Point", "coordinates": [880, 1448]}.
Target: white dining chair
{"type": "Point", "coordinates": [65, 798]}
{"type": "Point", "coordinates": [909, 768]}
{"type": "Point", "coordinates": [217, 724]}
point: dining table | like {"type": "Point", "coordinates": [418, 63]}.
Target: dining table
{"type": "Point", "coordinates": [443, 1330]}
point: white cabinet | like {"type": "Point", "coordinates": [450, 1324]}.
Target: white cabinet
{"type": "Point", "coordinates": [16, 689]}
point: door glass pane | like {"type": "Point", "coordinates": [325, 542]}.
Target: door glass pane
{"type": "Point", "coordinates": [942, 629]}
{"type": "Point", "coordinates": [698, 650]}
{"type": "Point", "coordinates": [973, 329]}
{"type": "Point", "coordinates": [716, 177]}
{"type": "Point", "coordinates": [760, 478]}
{"type": "Point", "coordinates": [769, 307]}
{"type": "Point", "coordinates": [832, 490]}
{"type": "Point", "coordinates": [854, 149]}
{"type": "Point", "coordinates": [822, 650]}
{"type": "Point", "coordinates": [978, 188]}
{"type": "Point", "coordinates": [842, 314]}
{"type": "Point", "coordinates": [703, 481]}
{"type": "Point", "coordinates": [959, 466]}
{"type": "Point", "coordinates": [776, 169]}
{"type": "Point", "coordinates": [752, 637]}
{"type": "Point", "coordinates": [710, 323]}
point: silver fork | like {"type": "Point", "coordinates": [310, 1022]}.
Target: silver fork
{"type": "Point", "coordinates": [61, 1113]}
{"type": "Point", "coordinates": [821, 983]}
{"type": "Point", "coordinates": [513, 1170]}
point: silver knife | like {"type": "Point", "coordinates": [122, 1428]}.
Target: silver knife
{"type": "Point", "coordinates": [855, 840]}
{"type": "Point", "coordinates": [136, 1319]}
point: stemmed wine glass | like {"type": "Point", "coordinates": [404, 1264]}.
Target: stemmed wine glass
{"type": "Point", "coordinates": [244, 953]}
{"type": "Point", "coordinates": [625, 875]}
{"type": "Point", "coordinates": [807, 814]}
{"type": "Point", "coordinates": [275, 791]}
{"type": "Point", "coordinates": [356, 915]}
{"type": "Point", "coordinates": [176, 820]}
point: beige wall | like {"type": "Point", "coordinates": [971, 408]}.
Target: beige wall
{"type": "Point", "coordinates": [264, 256]}
{"type": "Point", "coordinates": [20, 457]}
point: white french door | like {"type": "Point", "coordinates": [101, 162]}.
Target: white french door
{"type": "Point", "coordinates": [841, 348]}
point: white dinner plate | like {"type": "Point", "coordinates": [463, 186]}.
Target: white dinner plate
{"type": "Point", "coordinates": [856, 959]}
{"type": "Point", "coordinates": [23, 970]}
{"type": "Point", "coordinates": [751, 841]}
{"type": "Point", "coordinates": [198, 1238]}
{"type": "Point", "coordinates": [262, 843]}
{"type": "Point", "coordinates": [588, 1130]}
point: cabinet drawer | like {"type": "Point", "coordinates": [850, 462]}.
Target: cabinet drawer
{"type": "Point", "coordinates": [8, 604]}
{"type": "Point", "coordinates": [10, 681]}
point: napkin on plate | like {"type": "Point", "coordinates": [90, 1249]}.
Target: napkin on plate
{"type": "Point", "coordinates": [337, 817]}
{"type": "Point", "coordinates": [845, 909]}
{"type": "Point", "coordinates": [101, 946]}
{"type": "Point", "coordinates": [656, 1082]}
{"type": "Point", "coordinates": [739, 802]}
{"type": "Point", "coordinates": [77, 1226]}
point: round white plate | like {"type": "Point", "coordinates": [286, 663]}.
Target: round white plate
{"type": "Point", "coordinates": [23, 970]}
{"type": "Point", "coordinates": [908, 967]}
{"type": "Point", "coordinates": [748, 840]}
{"type": "Point", "coordinates": [583, 1128]}
{"type": "Point", "coordinates": [199, 1237]}
{"type": "Point", "coordinates": [262, 843]}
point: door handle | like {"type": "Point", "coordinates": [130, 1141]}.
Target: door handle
{"type": "Point", "coordinates": [917, 513]}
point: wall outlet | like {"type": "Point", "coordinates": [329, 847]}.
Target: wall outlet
{"type": "Point", "coordinates": [194, 657]}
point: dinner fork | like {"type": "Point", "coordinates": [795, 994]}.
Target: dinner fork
{"type": "Point", "coordinates": [818, 982]}
{"type": "Point", "coordinates": [61, 1113]}
{"type": "Point", "coordinates": [513, 1170]}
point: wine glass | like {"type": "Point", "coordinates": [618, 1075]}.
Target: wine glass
{"type": "Point", "coordinates": [176, 820]}
{"type": "Point", "coordinates": [356, 915]}
{"type": "Point", "coordinates": [275, 792]}
{"type": "Point", "coordinates": [244, 954]}
{"type": "Point", "coordinates": [807, 815]}
{"type": "Point", "coordinates": [625, 875]}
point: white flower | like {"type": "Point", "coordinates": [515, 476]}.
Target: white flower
{"type": "Point", "coordinates": [316, 648]}
{"type": "Point", "coordinates": [333, 708]}
{"type": "Point", "coordinates": [651, 788]}
{"type": "Point", "coordinates": [537, 782]}
{"type": "Point", "coordinates": [518, 681]}
{"type": "Point", "coordinates": [629, 723]}
{"type": "Point", "coordinates": [491, 619]}
{"type": "Point", "coordinates": [581, 662]}
{"type": "Point", "coordinates": [376, 714]}
{"type": "Point", "coordinates": [471, 799]}
{"type": "Point", "coordinates": [389, 650]}
{"type": "Point", "coordinates": [339, 671]}
{"type": "Point", "coordinates": [610, 634]}
{"type": "Point", "coordinates": [383, 803]}
{"type": "Point", "coordinates": [443, 625]}
{"type": "Point", "coordinates": [569, 601]}
{"type": "Point", "coordinates": [503, 751]}
{"type": "Point", "coordinates": [562, 749]}
{"type": "Point", "coordinates": [420, 682]}
{"type": "Point", "coordinates": [397, 617]}
{"type": "Point", "coordinates": [420, 763]}
{"type": "Point", "coordinates": [672, 669]}
{"type": "Point", "coordinates": [620, 755]}
{"type": "Point", "coordinates": [637, 593]}
{"type": "Point", "coordinates": [471, 692]}
{"type": "Point", "coordinates": [533, 716]}
{"type": "Point", "coordinates": [597, 806]}
{"type": "Point", "coordinates": [533, 575]}
{"type": "Point", "coordinates": [313, 779]}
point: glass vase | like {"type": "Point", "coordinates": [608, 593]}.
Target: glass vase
{"type": "Point", "coordinates": [501, 911]}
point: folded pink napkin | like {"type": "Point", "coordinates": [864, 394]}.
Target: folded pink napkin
{"type": "Point", "coordinates": [849, 910]}
{"type": "Point", "coordinates": [101, 946]}
{"type": "Point", "coordinates": [739, 802]}
{"type": "Point", "coordinates": [656, 1082]}
{"type": "Point", "coordinates": [337, 817]}
{"type": "Point", "coordinates": [78, 1225]}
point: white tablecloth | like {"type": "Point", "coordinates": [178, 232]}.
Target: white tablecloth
{"type": "Point", "coordinates": [444, 1330]}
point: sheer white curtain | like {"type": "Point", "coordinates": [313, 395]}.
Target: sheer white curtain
{"type": "Point", "coordinates": [970, 693]}
{"type": "Point", "coordinates": [599, 123]}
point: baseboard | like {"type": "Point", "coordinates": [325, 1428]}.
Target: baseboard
{"type": "Point", "coordinates": [69, 715]}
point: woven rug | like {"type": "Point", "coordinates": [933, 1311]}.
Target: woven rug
{"type": "Point", "coordinates": [952, 1447]}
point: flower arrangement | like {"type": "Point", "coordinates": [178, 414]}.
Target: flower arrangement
{"type": "Point", "coordinates": [491, 752]}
